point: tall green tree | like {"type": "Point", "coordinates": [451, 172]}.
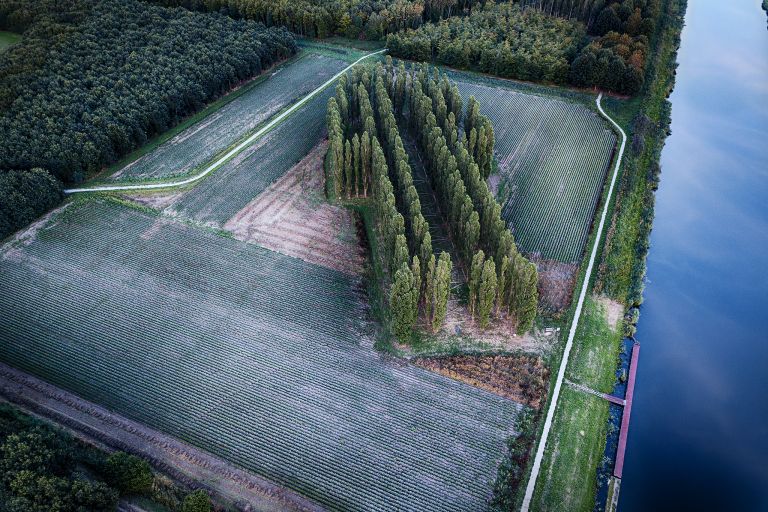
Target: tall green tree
{"type": "Point", "coordinates": [403, 304]}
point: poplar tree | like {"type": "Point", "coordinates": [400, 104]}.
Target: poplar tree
{"type": "Point", "coordinates": [356, 162]}
{"type": "Point", "coordinates": [441, 291]}
{"type": "Point", "coordinates": [403, 302]}
{"type": "Point", "coordinates": [475, 274]}
{"type": "Point", "coordinates": [429, 289]}
{"type": "Point", "coordinates": [348, 170]}
{"type": "Point", "coordinates": [365, 158]}
{"type": "Point", "coordinates": [487, 293]}
{"type": "Point", "coordinates": [527, 296]}
{"type": "Point", "coordinates": [416, 272]}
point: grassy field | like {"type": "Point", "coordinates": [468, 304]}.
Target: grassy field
{"type": "Point", "coordinates": [254, 356]}
{"type": "Point", "coordinates": [7, 39]}
{"type": "Point", "coordinates": [568, 478]}
{"type": "Point", "coordinates": [198, 143]}
{"type": "Point", "coordinates": [553, 156]}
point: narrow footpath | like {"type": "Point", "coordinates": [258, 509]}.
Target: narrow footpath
{"type": "Point", "coordinates": [231, 153]}
{"type": "Point", "coordinates": [577, 315]}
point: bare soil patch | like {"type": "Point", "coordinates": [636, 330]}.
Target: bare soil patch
{"type": "Point", "coordinates": [292, 217]}
{"type": "Point", "coordinates": [500, 334]}
{"type": "Point", "coordinates": [520, 377]}
{"type": "Point", "coordinates": [556, 283]}
{"type": "Point", "coordinates": [188, 465]}
{"type": "Point", "coordinates": [157, 200]}
{"type": "Point", "coordinates": [612, 310]}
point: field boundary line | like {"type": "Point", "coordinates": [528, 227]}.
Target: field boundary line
{"type": "Point", "coordinates": [572, 332]}
{"type": "Point", "coordinates": [229, 154]}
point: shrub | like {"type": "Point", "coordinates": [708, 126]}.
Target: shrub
{"type": "Point", "coordinates": [197, 501]}
{"type": "Point", "coordinates": [128, 473]}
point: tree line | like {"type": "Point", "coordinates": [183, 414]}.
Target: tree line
{"type": "Point", "coordinates": [44, 469]}
{"type": "Point", "coordinates": [363, 110]}
{"type": "Point", "coordinates": [499, 39]}
{"type": "Point", "coordinates": [528, 44]}
{"type": "Point", "coordinates": [501, 281]}
{"type": "Point", "coordinates": [24, 196]}
{"type": "Point", "coordinates": [368, 19]}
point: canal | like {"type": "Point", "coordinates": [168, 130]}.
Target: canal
{"type": "Point", "coordinates": [699, 433]}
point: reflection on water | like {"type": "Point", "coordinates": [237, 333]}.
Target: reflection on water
{"type": "Point", "coordinates": [699, 433]}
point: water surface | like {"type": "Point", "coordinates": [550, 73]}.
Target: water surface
{"type": "Point", "coordinates": [699, 433]}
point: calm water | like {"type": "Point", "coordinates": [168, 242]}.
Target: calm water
{"type": "Point", "coordinates": [699, 433]}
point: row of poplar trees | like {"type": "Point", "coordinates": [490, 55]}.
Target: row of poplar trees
{"type": "Point", "coordinates": [366, 155]}
{"type": "Point", "coordinates": [458, 150]}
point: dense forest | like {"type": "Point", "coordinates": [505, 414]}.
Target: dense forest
{"type": "Point", "coordinates": [500, 39]}
{"type": "Point", "coordinates": [92, 80]}
{"type": "Point", "coordinates": [540, 41]}
{"type": "Point", "coordinates": [586, 43]}
{"type": "Point", "coordinates": [366, 152]}
{"type": "Point", "coordinates": [368, 19]}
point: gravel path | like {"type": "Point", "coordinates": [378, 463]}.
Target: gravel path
{"type": "Point", "coordinates": [577, 315]}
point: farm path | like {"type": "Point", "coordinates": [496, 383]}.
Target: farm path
{"type": "Point", "coordinates": [572, 333]}
{"type": "Point", "coordinates": [231, 153]}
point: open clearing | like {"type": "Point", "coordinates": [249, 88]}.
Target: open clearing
{"type": "Point", "coordinates": [292, 217]}
{"type": "Point", "coordinates": [553, 156]}
{"type": "Point", "coordinates": [202, 141]}
{"type": "Point", "coordinates": [254, 356]}
{"type": "Point", "coordinates": [7, 39]}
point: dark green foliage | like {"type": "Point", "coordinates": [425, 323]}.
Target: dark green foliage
{"type": "Point", "coordinates": [39, 492]}
{"type": "Point", "coordinates": [37, 450]}
{"type": "Point", "coordinates": [92, 80]}
{"type": "Point", "coordinates": [403, 303]}
{"type": "Point", "coordinates": [24, 195]}
{"type": "Point", "coordinates": [614, 61]}
{"type": "Point", "coordinates": [367, 19]}
{"type": "Point", "coordinates": [128, 473]}
{"type": "Point", "coordinates": [600, 17]}
{"type": "Point", "coordinates": [197, 501]}
{"type": "Point", "coordinates": [500, 39]}
{"type": "Point", "coordinates": [526, 42]}
{"type": "Point", "coordinates": [509, 489]}
{"type": "Point", "coordinates": [486, 294]}
{"type": "Point", "coordinates": [37, 469]}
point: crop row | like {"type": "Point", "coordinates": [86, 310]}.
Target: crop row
{"type": "Point", "coordinates": [553, 157]}
{"type": "Point", "coordinates": [200, 142]}
{"type": "Point", "coordinates": [251, 355]}
{"type": "Point", "coordinates": [231, 187]}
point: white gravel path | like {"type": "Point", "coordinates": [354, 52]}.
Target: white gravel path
{"type": "Point", "coordinates": [569, 344]}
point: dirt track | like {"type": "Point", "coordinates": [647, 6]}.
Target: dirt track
{"type": "Point", "coordinates": [187, 464]}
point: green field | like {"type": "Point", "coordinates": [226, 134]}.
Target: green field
{"type": "Point", "coordinates": [199, 143]}
{"type": "Point", "coordinates": [553, 156]}
{"type": "Point", "coordinates": [568, 477]}
{"type": "Point", "coordinates": [254, 356]}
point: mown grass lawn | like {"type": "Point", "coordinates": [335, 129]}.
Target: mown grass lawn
{"type": "Point", "coordinates": [568, 478]}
